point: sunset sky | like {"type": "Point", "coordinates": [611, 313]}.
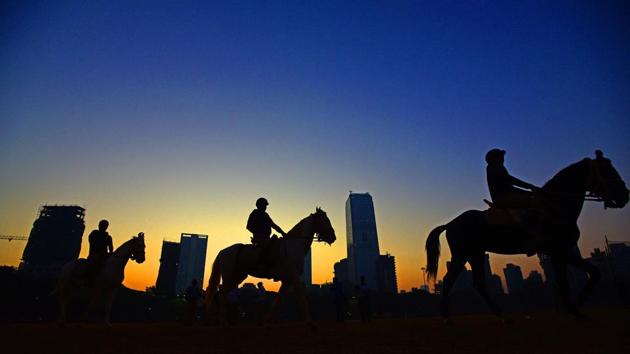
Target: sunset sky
{"type": "Point", "coordinates": [171, 117]}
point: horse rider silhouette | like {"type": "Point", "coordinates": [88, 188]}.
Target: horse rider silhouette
{"type": "Point", "coordinates": [101, 246]}
{"type": "Point", "coordinates": [505, 195]}
{"type": "Point", "coordinates": [260, 224]}
{"type": "Point", "coordinates": [471, 234]}
{"type": "Point", "coordinates": [502, 185]}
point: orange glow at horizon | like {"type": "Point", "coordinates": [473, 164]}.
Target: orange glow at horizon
{"type": "Point", "coordinates": [409, 252]}
{"type": "Point", "coordinates": [224, 223]}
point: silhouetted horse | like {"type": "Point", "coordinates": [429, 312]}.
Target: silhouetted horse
{"type": "Point", "coordinates": [107, 280]}
{"type": "Point", "coordinates": [233, 264]}
{"type": "Point", "coordinates": [469, 235]}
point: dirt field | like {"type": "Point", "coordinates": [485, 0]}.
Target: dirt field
{"type": "Point", "coordinates": [607, 332]}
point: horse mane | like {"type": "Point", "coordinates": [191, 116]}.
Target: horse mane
{"type": "Point", "coordinates": [125, 244]}
{"type": "Point", "coordinates": [294, 229]}
{"type": "Point", "coordinates": [566, 176]}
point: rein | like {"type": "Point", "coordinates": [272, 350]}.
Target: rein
{"type": "Point", "coordinates": [587, 197]}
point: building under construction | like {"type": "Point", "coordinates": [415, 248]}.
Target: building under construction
{"type": "Point", "coordinates": [167, 275]}
{"type": "Point", "coordinates": [55, 239]}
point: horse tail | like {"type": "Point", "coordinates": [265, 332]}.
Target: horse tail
{"type": "Point", "coordinates": [433, 250]}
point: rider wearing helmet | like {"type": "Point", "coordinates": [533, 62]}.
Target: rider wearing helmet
{"type": "Point", "coordinates": [502, 185]}
{"type": "Point", "coordinates": [260, 224]}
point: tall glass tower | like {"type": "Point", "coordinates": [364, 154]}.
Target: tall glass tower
{"type": "Point", "coordinates": [192, 261]}
{"type": "Point", "coordinates": [362, 239]}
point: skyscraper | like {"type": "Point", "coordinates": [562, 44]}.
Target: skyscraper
{"type": "Point", "coordinates": [362, 239]}
{"type": "Point", "coordinates": [493, 281]}
{"type": "Point", "coordinates": [619, 258]}
{"type": "Point", "coordinates": [534, 279]}
{"type": "Point", "coordinates": [386, 274]}
{"type": "Point", "coordinates": [513, 278]}
{"type": "Point", "coordinates": [55, 239]}
{"type": "Point", "coordinates": [167, 275]}
{"type": "Point", "coordinates": [192, 261]}
{"type": "Point", "coordinates": [341, 273]}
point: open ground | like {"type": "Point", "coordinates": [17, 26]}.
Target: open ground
{"type": "Point", "coordinates": [606, 332]}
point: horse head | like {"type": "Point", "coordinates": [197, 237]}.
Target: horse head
{"type": "Point", "coordinates": [322, 226]}
{"type": "Point", "coordinates": [606, 183]}
{"type": "Point", "coordinates": [137, 248]}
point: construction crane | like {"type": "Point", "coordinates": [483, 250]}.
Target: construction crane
{"type": "Point", "coordinates": [11, 238]}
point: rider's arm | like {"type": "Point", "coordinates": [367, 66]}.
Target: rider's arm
{"type": "Point", "coordinates": [277, 228]}
{"type": "Point", "coordinates": [517, 182]}
{"type": "Point", "coordinates": [110, 244]}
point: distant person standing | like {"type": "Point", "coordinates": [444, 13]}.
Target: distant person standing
{"type": "Point", "coordinates": [101, 246]}
{"type": "Point", "coordinates": [339, 300]}
{"type": "Point", "coordinates": [193, 294]}
{"type": "Point", "coordinates": [363, 297]}
{"type": "Point", "coordinates": [259, 302]}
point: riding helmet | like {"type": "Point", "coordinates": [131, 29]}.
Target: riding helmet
{"type": "Point", "coordinates": [494, 155]}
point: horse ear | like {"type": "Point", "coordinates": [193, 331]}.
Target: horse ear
{"type": "Point", "coordinates": [141, 234]}
{"type": "Point", "coordinates": [599, 154]}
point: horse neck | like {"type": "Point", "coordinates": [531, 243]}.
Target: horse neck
{"type": "Point", "coordinates": [567, 189]}
{"type": "Point", "coordinates": [303, 232]}
{"type": "Point", "coordinates": [122, 254]}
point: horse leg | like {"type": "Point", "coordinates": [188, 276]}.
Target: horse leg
{"type": "Point", "coordinates": [560, 271]}
{"type": "Point", "coordinates": [109, 299]}
{"type": "Point", "coordinates": [223, 313]}
{"type": "Point", "coordinates": [300, 290]}
{"type": "Point", "coordinates": [478, 266]}
{"type": "Point", "coordinates": [91, 304]}
{"type": "Point", "coordinates": [594, 275]}
{"type": "Point", "coordinates": [276, 302]}
{"type": "Point", "coordinates": [456, 266]}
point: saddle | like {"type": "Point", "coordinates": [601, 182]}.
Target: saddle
{"type": "Point", "coordinates": [518, 217]}
{"type": "Point", "coordinates": [268, 253]}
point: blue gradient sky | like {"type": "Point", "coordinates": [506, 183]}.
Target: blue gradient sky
{"type": "Point", "coordinates": [173, 117]}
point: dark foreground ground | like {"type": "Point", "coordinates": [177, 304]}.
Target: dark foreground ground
{"type": "Point", "coordinates": [607, 332]}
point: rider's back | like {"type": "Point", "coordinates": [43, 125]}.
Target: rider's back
{"type": "Point", "coordinates": [99, 241]}
{"type": "Point", "coordinates": [259, 224]}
